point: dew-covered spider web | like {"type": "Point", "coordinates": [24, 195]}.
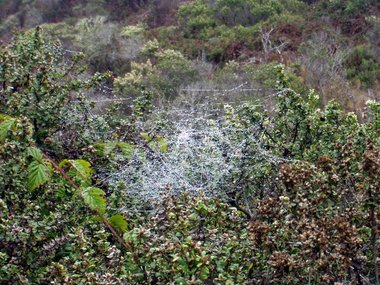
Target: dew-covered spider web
{"type": "Point", "coordinates": [205, 153]}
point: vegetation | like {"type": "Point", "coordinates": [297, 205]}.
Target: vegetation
{"type": "Point", "coordinates": [189, 146]}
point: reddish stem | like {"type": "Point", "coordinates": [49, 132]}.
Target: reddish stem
{"type": "Point", "coordinates": [102, 217]}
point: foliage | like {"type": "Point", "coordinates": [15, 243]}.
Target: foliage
{"type": "Point", "coordinates": [104, 47]}
{"type": "Point", "coordinates": [162, 79]}
{"type": "Point", "coordinates": [38, 84]}
{"type": "Point", "coordinates": [225, 25]}
{"type": "Point", "coordinates": [44, 220]}
{"type": "Point", "coordinates": [350, 14]}
{"type": "Point", "coordinates": [194, 17]}
{"type": "Point", "coordinates": [362, 67]}
{"type": "Point", "coordinates": [44, 230]}
{"type": "Point", "coordinates": [192, 193]}
{"type": "Point", "coordinates": [301, 182]}
{"type": "Point", "coordinates": [191, 240]}
{"type": "Point", "coordinates": [132, 31]}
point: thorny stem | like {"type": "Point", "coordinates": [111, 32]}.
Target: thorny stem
{"type": "Point", "coordinates": [101, 216]}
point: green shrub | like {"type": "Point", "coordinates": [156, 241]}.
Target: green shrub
{"type": "Point", "coordinates": [36, 82]}
{"type": "Point", "coordinates": [194, 17]}
{"type": "Point", "coordinates": [47, 233]}
{"type": "Point", "coordinates": [362, 67]}
{"type": "Point", "coordinates": [295, 200]}
{"type": "Point", "coordinates": [105, 49]}
{"type": "Point", "coordinates": [170, 71]}
{"type": "Point", "coordinates": [227, 25]}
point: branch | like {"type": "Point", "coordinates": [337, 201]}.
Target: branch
{"type": "Point", "coordinates": [102, 217]}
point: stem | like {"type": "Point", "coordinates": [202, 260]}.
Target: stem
{"type": "Point", "coordinates": [101, 216]}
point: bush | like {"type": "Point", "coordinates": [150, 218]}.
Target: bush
{"type": "Point", "coordinates": [190, 239]}
{"type": "Point", "coordinates": [225, 29]}
{"type": "Point", "coordinates": [285, 196]}
{"type": "Point", "coordinates": [362, 68]}
{"type": "Point", "coordinates": [297, 185]}
{"type": "Point", "coordinates": [194, 17]}
{"type": "Point", "coordinates": [105, 49]}
{"type": "Point", "coordinates": [36, 82]}
{"type": "Point", "coordinates": [46, 235]}
{"type": "Point", "coordinates": [170, 71]}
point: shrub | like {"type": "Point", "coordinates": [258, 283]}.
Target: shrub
{"type": "Point", "coordinates": [190, 240]}
{"type": "Point", "coordinates": [170, 71]}
{"type": "Point", "coordinates": [46, 234]}
{"type": "Point", "coordinates": [36, 82]}
{"type": "Point", "coordinates": [104, 47]}
{"type": "Point", "coordinates": [194, 17]}
{"type": "Point", "coordinates": [362, 67]}
{"type": "Point", "coordinates": [298, 186]}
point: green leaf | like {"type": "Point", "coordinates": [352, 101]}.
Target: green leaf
{"type": "Point", "coordinates": [145, 136]}
{"type": "Point", "coordinates": [119, 222]}
{"type": "Point", "coordinates": [162, 143]}
{"type": "Point", "coordinates": [109, 147]}
{"type": "Point", "coordinates": [82, 167]}
{"type": "Point", "coordinates": [126, 148]}
{"type": "Point", "coordinates": [5, 126]}
{"type": "Point", "coordinates": [64, 162]}
{"type": "Point", "coordinates": [39, 174]}
{"type": "Point", "coordinates": [205, 272]}
{"type": "Point", "coordinates": [105, 148]}
{"type": "Point", "coordinates": [35, 153]}
{"type": "Point", "coordinates": [94, 198]}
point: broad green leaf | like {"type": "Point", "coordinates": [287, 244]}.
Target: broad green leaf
{"type": "Point", "coordinates": [109, 147]}
{"type": "Point", "coordinates": [39, 174]}
{"type": "Point", "coordinates": [4, 117]}
{"type": "Point", "coordinates": [94, 198]}
{"type": "Point", "coordinates": [64, 162]}
{"type": "Point", "coordinates": [5, 126]}
{"type": "Point", "coordinates": [82, 167]}
{"type": "Point", "coordinates": [119, 222]}
{"type": "Point", "coordinates": [35, 153]}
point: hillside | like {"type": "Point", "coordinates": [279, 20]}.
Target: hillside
{"type": "Point", "coordinates": [331, 46]}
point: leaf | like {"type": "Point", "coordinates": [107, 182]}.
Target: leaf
{"type": "Point", "coordinates": [64, 162]}
{"type": "Point", "coordinates": [39, 174]}
{"type": "Point", "coordinates": [4, 117]}
{"type": "Point", "coordinates": [162, 143]}
{"type": "Point", "coordinates": [126, 148]}
{"type": "Point", "coordinates": [82, 167]}
{"type": "Point", "coordinates": [119, 222]}
{"type": "Point", "coordinates": [94, 198]}
{"type": "Point", "coordinates": [104, 149]}
{"type": "Point", "coordinates": [35, 153]}
{"type": "Point", "coordinates": [145, 136]}
{"type": "Point", "coordinates": [99, 148]}
{"type": "Point", "coordinates": [205, 272]}
{"type": "Point", "coordinates": [109, 147]}
{"type": "Point", "coordinates": [5, 126]}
